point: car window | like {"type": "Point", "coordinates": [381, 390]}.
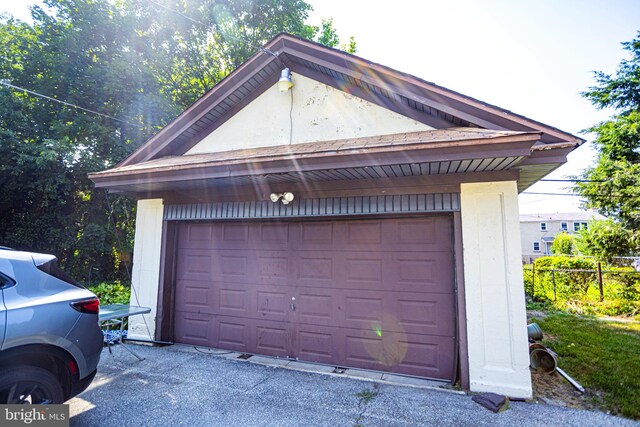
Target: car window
{"type": "Point", "coordinates": [52, 269]}
{"type": "Point", "coordinates": [6, 281]}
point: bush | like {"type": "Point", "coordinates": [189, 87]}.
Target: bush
{"type": "Point", "coordinates": [112, 293]}
{"type": "Point", "coordinates": [570, 284]}
{"type": "Point", "coordinates": [562, 285]}
{"type": "Point", "coordinates": [562, 244]}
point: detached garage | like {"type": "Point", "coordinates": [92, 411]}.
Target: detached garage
{"type": "Point", "coordinates": [361, 218]}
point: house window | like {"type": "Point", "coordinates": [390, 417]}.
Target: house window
{"type": "Point", "coordinates": [564, 226]}
{"type": "Point", "coordinates": [543, 226]}
{"type": "Point", "coordinates": [579, 225]}
{"type": "Point", "coordinates": [536, 246]}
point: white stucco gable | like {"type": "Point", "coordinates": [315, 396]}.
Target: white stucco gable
{"type": "Point", "coordinates": [310, 112]}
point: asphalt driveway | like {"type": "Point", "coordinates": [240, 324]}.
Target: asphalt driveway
{"type": "Point", "coordinates": [178, 385]}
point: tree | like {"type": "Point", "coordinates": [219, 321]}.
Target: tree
{"type": "Point", "coordinates": [562, 244]}
{"type": "Point", "coordinates": [613, 185]}
{"type": "Point", "coordinates": [140, 61]}
{"type": "Point", "coordinates": [607, 239]}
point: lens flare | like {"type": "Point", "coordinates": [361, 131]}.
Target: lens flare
{"type": "Point", "coordinates": [389, 348]}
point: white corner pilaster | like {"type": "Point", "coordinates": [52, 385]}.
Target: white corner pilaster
{"type": "Point", "coordinates": [145, 278]}
{"type": "Point", "coordinates": [494, 291]}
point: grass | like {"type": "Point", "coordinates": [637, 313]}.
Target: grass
{"type": "Point", "coordinates": [365, 396]}
{"type": "Point", "coordinates": [603, 356]}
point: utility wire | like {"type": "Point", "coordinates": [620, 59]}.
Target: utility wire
{"type": "Point", "coordinates": [571, 180]}
{"type": "Point", "coordinates": [238, 39]}
{"type": "Point", "coordinates": [613, 196]}
{"type": "Point", "coordinates": [31, 92]}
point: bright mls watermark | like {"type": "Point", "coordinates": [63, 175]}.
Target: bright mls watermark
{"type": "Point", "coordinates": [34, 415]}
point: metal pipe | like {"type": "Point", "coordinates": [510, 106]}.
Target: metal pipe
{"type": "Point", "coordinates": [573, 382]}
{"type": "Point", "coordinates": [148, 341]}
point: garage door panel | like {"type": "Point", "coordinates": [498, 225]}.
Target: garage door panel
{"type": "Point", "coordinates": [428, 356]}
{"type": "Point", "coordinates": [247, 266]}
{"type": "Point", "coordinates": [196, 236]}
{"type": "Point", "coordinates": [362, 309]}
{"type": "Point", "coordinates": [194, 296]}
{"type": "Point", "coordinates": [314, 268]}
{"type": "Point", "coordinates": [316, 306]}
{"type": "Point", "coordinates": [273, 304]}
{"type": "Point", "coordinates": [420, 235]}
{"type": "Point", "coordinates": [419, 313]}
{"type": "Point", "coordinates": [411, 313]}
{"type": "Point", "coordinates": [235, 300]}
{"type": "Point", "coordinates": [420, 355]}
{"type": "Point", "coordinates": [272, 267]}
{"type": "Point", "coordinates": [196, 329]}
{"type": "Point", "coordinates": [232, 333]}
{"type": "Point", "coordinates": [313, 236]}
{"type": "Point", "coordinates": [419, 272]}
{"type": "Point", "coordinates": [194, 265]}
{"type": "Point", "coordinates": [316, 345]}
{"type": "Point", "coordinates": [361, 270]}
{"type": "Point", "coordinates": [272, 339]}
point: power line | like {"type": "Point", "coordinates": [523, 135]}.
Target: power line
{"type": "Point", "coordinates": [550, 194]}
{"type": "Point", "coordinates": [571, 180]}
{"type": "Point", "coordinates": [31, 92]}
{"type": "Point", "coordinates": [68, 104]}
{"type": "Point", "coordinates": [259, 48]}
{"type": "Point", "coordinates": [622, 196]}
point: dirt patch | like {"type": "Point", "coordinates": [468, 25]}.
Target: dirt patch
{"type": "Point", "coordinates": [536, 314]}
{"type": "Point", "coordinates": [552, 389]}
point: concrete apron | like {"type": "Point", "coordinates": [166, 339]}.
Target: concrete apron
{"type": "Point", "coordinates": [317, 368]}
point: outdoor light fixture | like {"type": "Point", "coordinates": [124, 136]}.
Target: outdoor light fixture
{"type": "Point", "coordinates": [285, 83]}
{"type": "Point", "coordinates": [286, 197]}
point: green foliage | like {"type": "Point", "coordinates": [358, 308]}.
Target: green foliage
{"type": "Point", "coordinates": [327, 34]}
{"type": "Point", "coordinates": [613, 185]}
{"type": "Point", "coordinates": [570, 284]}
{"type": "Point", "coordinates": [625, 287]}
{"type": "Point", "coordinates": [600, 355]}
{"type": "Point", "coordinates": [619, 91]}
{"type": "Point", "coordinates": [112, 293]}
{"type": "Point", "coordinates": [606, 240]}
{"type": "Point", "coordinates": [562, 244]}
{"type": "Point", "coordinates": [140, 61]}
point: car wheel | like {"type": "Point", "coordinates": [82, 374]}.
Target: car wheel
{"type": "Point", "coordinates": [29, 385]}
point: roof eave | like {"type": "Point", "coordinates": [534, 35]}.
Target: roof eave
{"type": "Point", "coordinates": [285, 44]}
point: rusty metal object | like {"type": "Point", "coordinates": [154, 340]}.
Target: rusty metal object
{"type": "Point", "coordinates": [543, 359]}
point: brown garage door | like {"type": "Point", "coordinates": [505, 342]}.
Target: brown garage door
{"type": "Point", "coordinates": [374, 294]}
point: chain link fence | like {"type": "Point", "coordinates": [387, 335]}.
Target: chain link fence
{"type": "Point", "coordinates": [610, 290]}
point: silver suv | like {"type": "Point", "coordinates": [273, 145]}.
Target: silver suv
{"type": "Point", "coordinates": [50, 340]}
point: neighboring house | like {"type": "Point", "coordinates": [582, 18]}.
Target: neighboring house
{"type": "Point", "coordinates": [400, 251]}
{"type": "Point", "coordinates": [537, 231]}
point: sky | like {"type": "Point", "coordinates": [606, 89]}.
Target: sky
{"type": "Point", "coordinates": [531, 57]}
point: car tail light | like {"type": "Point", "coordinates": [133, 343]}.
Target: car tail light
{"type": "Point", "coordinates": [91, 305]}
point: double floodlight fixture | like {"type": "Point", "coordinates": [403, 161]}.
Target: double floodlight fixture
{"type": "Point", "coordinates": [285, 197]}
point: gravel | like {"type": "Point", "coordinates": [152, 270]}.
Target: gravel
{"type": "Point", "coordinates": [178, 386]}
